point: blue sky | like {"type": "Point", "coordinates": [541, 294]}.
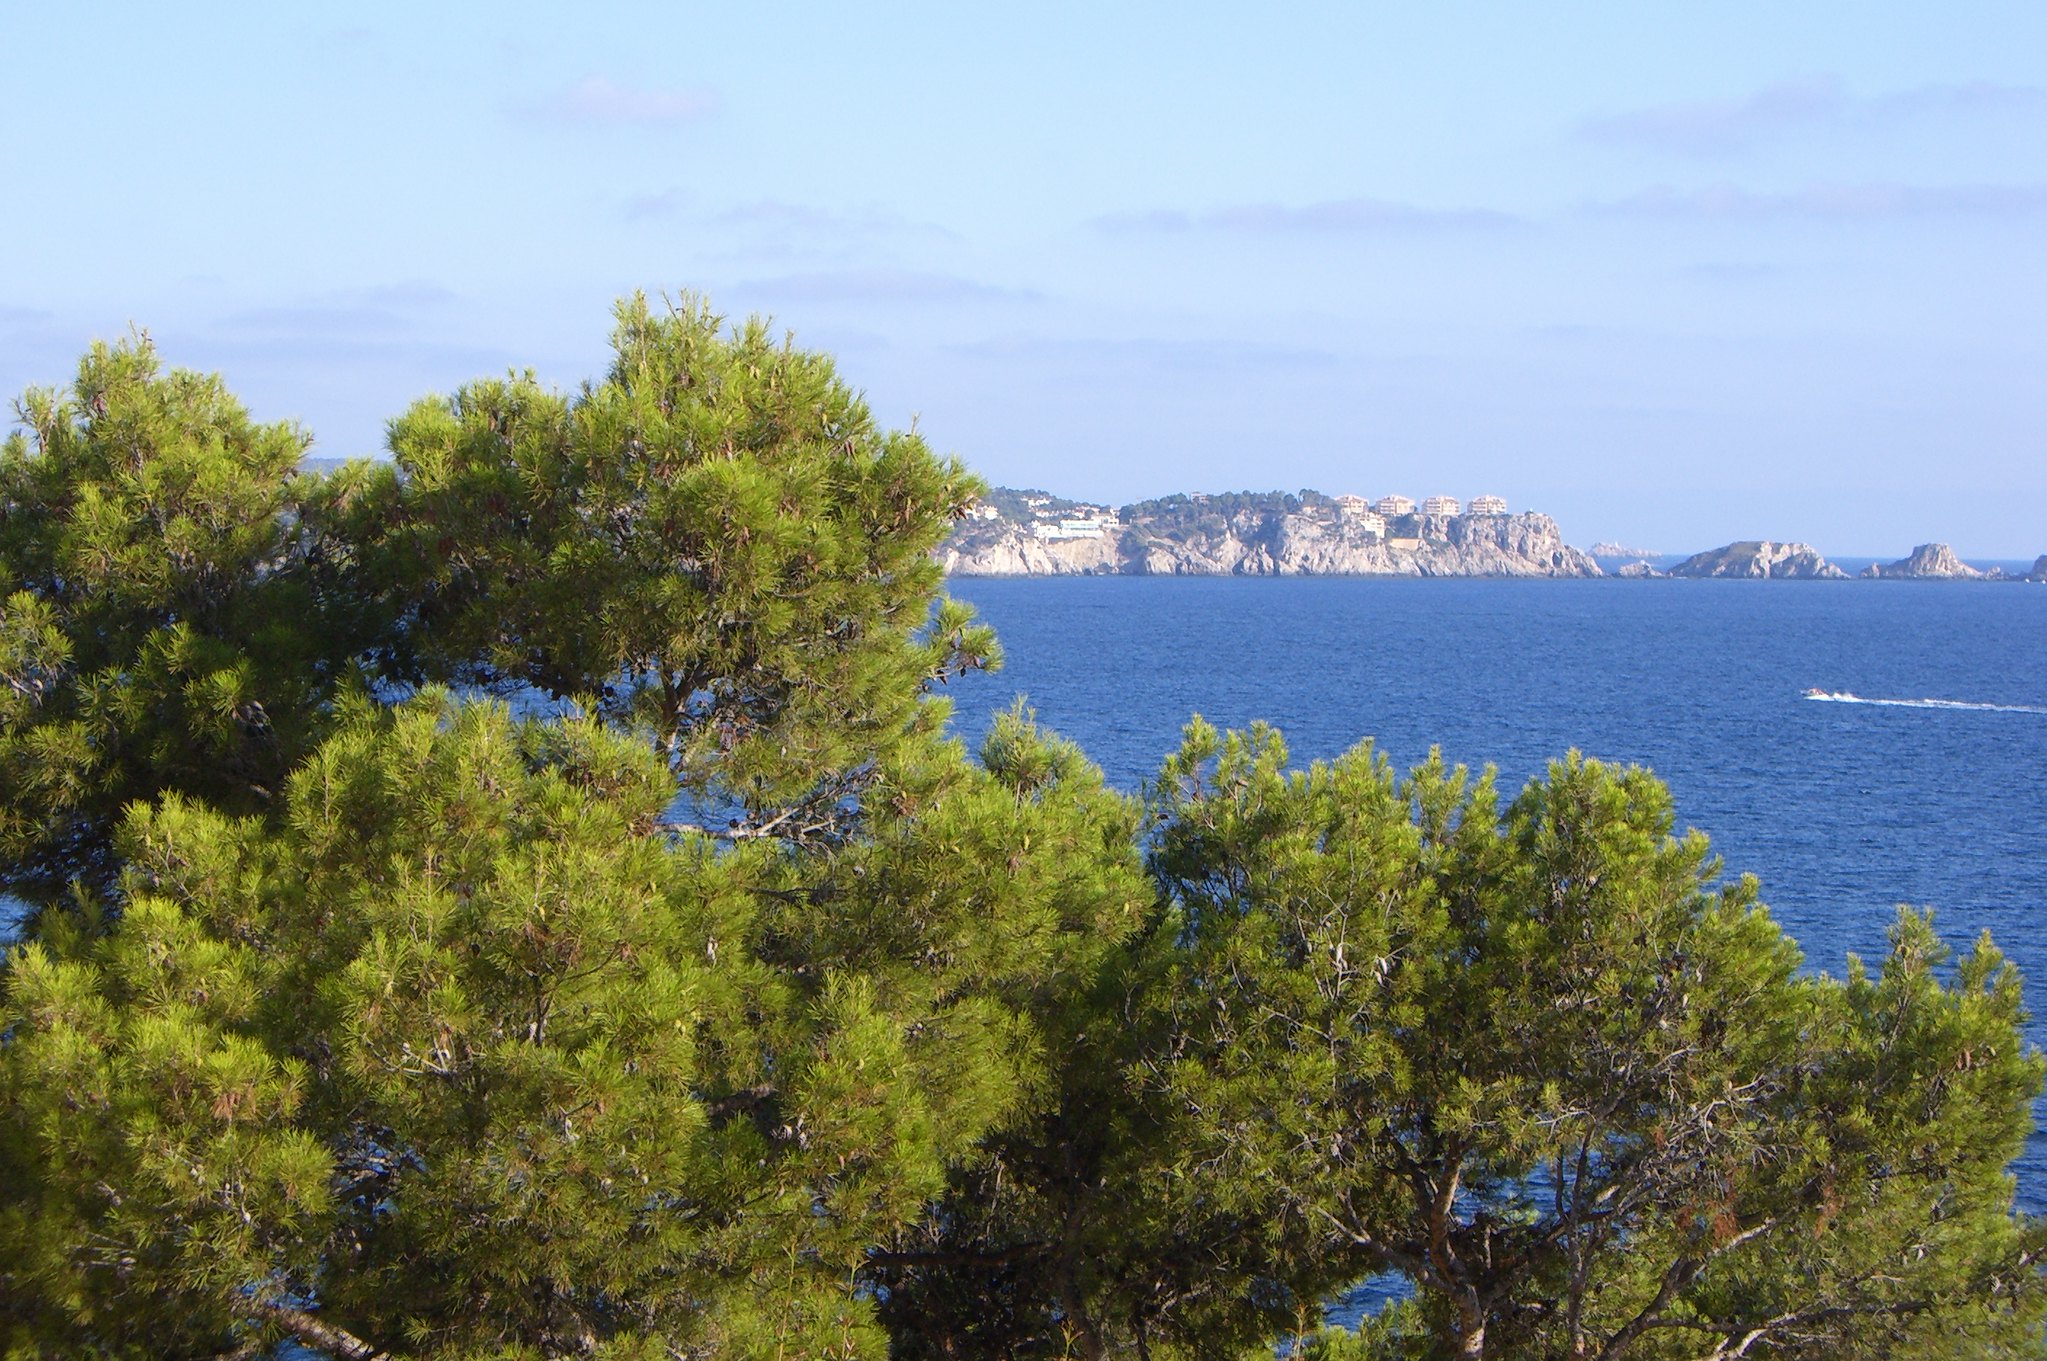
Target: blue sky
{"type": "Point", "coordinates": [1675, 275]}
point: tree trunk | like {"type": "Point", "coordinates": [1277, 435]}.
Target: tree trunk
{"type": "Point", "coordinates": [1080, 1325]}
{"type": "Point", "coordinates": [1470, 1329]}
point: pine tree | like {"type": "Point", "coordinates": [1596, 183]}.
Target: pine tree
{"type": "Point", "coordinates": [1538, 1063]}
{"type": "Point", "coordinates": [716, 543]}
{"type": "Point", "coordinates": [457, 1042]}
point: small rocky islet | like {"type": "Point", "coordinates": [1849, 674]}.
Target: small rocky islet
{"type": "Point", "coordinates": [1760, 559]}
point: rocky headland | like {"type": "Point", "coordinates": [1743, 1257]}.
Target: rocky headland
{"type": "Point", "coordinates": [1250, 534]}
{"type": "Point", "coordinates": [1760, 559]}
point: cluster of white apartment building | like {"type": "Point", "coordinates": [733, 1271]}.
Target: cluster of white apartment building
{"type": "Point", "coordinates": [1087, 522]}
{"type": "Point", "coordinates": [1372, 516]}
{"type": "Point", "coordinates": [1080, 522]}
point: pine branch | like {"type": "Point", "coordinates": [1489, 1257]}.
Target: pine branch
{"type": "Point", "coordinates": [314, 1333]}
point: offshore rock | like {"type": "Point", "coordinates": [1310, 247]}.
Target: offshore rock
{"type": "Point", "coordinates": [1759, 559]}
{"type": "Point", "coordinates": [1253, 538]}
{"type": "Point", "coordinates": [1638, 570]}
{"type": "Point", "coordinates": [2039, 572]}
{"type": "Point", "coordinates": [1928, 560]}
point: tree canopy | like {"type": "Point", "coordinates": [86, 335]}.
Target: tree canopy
{"type": "Point", "coordinates": [715, 543]}
{"type": "Point", "coordinates": [1534, 1062]}
{"type": "Point", "coordinates": [523, 901]}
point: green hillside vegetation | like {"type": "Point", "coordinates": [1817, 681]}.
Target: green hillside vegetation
{"type": "Point", "coordinates": [1022, 505]}
{"type": "Point", "coordinates": [523, 900]}
{"type": "Point", "coordinates": [1182, 510]}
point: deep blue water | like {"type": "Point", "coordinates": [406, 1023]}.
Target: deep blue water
{"type": "Point", "coordinates": [1842, 809]}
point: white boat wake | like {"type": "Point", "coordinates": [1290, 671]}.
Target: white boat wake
{"type": "Point", "coordinates": [1844, 697]}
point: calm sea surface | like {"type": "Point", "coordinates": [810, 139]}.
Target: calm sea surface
{"type": "Point", "coordinates": [1843, 808]}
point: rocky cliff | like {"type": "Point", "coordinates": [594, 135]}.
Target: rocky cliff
{"type": "Point", "coordinates": [1017, 553]}
{"type": "Point", "coordinates": [1934, 560]}
{"type": "Point", "coordinates": [1301, 539]}
{"type": "Point", "coordinates": [1760, 559]}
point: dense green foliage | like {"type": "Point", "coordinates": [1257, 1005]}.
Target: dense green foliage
{"type": "Point", "coordinates": [167, 624]}
{"type": "Point", "coordinates": [715, 544]}
{"type": "Point", "coordinates": [1181, 510]}
{"type": "Point", "coordinates": [472, 1053]}
{"type": "Point", "coordinates": [1532, 1060]}
{"type": "Point", "coordinates": [1015, 504]}
{"type": "Point", "coordinates": [731, 1009]}
{"type": "Point", "coordinates": [1181, 517]}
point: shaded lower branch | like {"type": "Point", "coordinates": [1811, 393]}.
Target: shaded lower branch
{"type": "Point", "coordinates": [302, 1325]}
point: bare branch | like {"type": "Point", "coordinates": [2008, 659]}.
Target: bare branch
{"type": "Point", "coordinates": [302, 1325]}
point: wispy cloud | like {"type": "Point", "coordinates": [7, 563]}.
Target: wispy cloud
{"type": "Point", "coordinates": [315, 317]}
{"type": "Point", "coordinates": [1722, 127]}
{"type": "Point", "coordinates": [1715, 127]}
{"type": "Point", "coordinates": [1733, 271]}
{"type": "Point", "coordinates": [1331, 216]}
{"type": "Point", "coordinates": [1971, 97]}
{"type": "Point", "coordinates": [407, 293]}
{"type": "Point", "coordinates": [599, 100]}
{"type": "Point", "coordinates": [23, 316]}
{"type": "Point", "coordinates": [1836, 202]}
{"type": "Point", "coordinates": [357, 44]}
{"type": "Point", "coordinates": [780, 223]}
{"type": "Point", "coordinates": [658, 204]}
{"type": "Point", "coordinates": [290, 352]}
{"type": "Point", "coordinates": [1095, 354]}
{"type": "Point", "coordinates": [377, 309]}
{"type": "Point", "coordinates": [778, 215]}
{"type": "Point", "coordinates": [1578, 332]}
{"type": "Point", "coordinates": [880, 285]}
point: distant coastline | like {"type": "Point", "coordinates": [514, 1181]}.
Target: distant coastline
{"type": "Point", "coordinates": [1034, 533]}
{"type": "Point", "coordinates": [1014, 532]}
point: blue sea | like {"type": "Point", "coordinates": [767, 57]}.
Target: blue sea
{"type": "Point", "coordinates": [1922, 779]}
